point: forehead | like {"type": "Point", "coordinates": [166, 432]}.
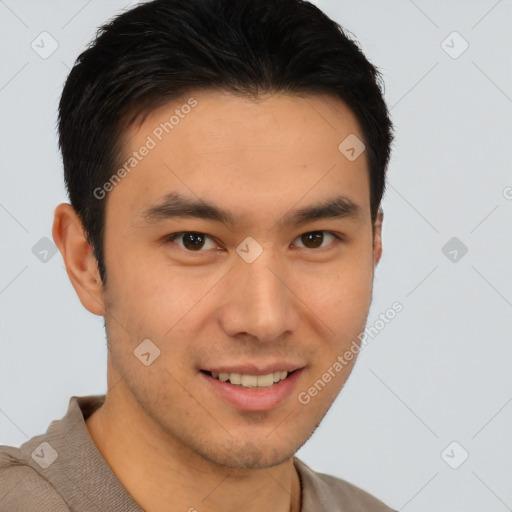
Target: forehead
{"type": "Point", "coordinates": [218, 121]}
{"type": "Point", "coordinates": [214, 145]}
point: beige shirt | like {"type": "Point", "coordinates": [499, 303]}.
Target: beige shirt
{"type": "Point", "coordinates": [62, 471]}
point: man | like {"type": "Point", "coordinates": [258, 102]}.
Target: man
{"type": "Point", "coordinates": [225, 162]}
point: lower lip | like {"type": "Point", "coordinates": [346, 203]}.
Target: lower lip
{"type": "Point", "coordinates": [254, 399]}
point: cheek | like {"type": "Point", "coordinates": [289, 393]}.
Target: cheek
{"type": "Point", "coordinates": [157, 299]}
{"type": "Point", "coordinates": [341, 300]}
{"type": "Point", "coordinates": [343, 290]}
{"type": "Point", "coordinates": [140, 279]}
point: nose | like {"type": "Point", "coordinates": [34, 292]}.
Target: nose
{"type": "Point", "coordinates": [260, 300]}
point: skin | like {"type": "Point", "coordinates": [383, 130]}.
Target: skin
{"type": "Point", "coordinates": [172, 441]}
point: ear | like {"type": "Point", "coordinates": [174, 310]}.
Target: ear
{"type": "Point", "coordinates": [377, 238]}
{"type": "Point", "coordinates": [81, 265]}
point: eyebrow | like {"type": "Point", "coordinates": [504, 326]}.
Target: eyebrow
{"type": "Point", "coordinates": [175, 205]}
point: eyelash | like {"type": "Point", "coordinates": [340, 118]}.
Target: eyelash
{"type": "Point", "coordinates": [173, 236]}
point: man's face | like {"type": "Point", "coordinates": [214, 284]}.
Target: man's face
{"type": "Point", "coordinates": [203, 299]}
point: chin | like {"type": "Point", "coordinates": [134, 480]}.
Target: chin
{"type": "Point", "coordinates": [250, 456]}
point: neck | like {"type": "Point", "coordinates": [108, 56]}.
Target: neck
{"type": "Point", "coordinates": [162, 475]}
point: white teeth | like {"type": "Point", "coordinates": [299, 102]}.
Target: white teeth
{"type": "Point", "coordinates": [265, 380]}
{"type": "Point", "coordinates": [235, 378]}
{"type": "Point", "coordinates": [251, 381]}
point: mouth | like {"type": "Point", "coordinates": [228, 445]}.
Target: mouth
{"type": "Point", "coordinates": [250, 392]}
{"type": "Point", "coordinates": [248, 381]}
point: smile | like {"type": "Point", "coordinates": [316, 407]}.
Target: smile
{"type": "Point", "coordinates": [247, 381]}
{"type": "Point", "coordinates": [250, 392]}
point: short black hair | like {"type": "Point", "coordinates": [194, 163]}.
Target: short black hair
{"type": "Point", "coordinates": [163, 49]}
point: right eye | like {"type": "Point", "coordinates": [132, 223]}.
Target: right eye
{"type": "Point", "coordinates": [192, 241]}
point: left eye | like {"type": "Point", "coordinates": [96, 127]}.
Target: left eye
{"type": "Point", "coordinates": [193, 241]}
{"type": "Point", "coordinates": [316, 238]}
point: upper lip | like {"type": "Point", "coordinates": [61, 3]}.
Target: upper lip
{"type": "Point", "coordinates": [253, 369]}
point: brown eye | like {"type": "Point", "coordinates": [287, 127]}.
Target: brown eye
{"type": "Point", "coordinates": [191, 241]}
{"type": "Point", "coordinates": [314, 239]}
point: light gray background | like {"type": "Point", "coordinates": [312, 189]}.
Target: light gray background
{"type": "Point", "coordinates": [439, 372]}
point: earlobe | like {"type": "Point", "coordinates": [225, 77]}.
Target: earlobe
{"type": "Point", "coordinates": [81, 265]}
{"type": "Point", "coordinates": [377, 237]}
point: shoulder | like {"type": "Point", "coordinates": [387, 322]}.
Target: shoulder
{"type": "Point", "coordinates": [22, 489]}
{"type": "Point", "coordinates": [345, 491]}
{"type": "Point", "coordinates": [337, 494]}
